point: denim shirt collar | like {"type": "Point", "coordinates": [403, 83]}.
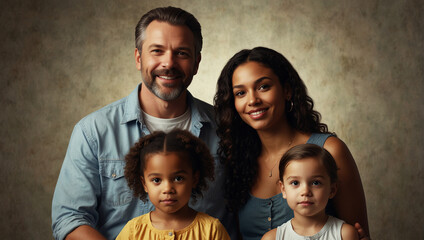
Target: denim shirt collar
{"type": "Point", "coordinates": [132, 110]}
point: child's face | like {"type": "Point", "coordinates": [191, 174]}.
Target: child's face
{"type": "Point", "coordinates": [169, 180]}
{"type": "Point", "coordinates": [307, 187]}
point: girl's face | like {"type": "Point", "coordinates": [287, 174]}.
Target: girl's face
{"type": "Point", "coordinates": [307, 187]}
{"type": "Point", "coordinates": [168, 179]}
{"type": "Point", "coordinates": [258, 96]}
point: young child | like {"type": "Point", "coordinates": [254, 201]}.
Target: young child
{"type": "Point", "coordinates": [169, 168]}
{"type": "Point", "coordinates": [308, 175]}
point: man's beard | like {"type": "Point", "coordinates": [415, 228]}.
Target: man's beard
{"type": "Point", "coordinates": [154, 87]}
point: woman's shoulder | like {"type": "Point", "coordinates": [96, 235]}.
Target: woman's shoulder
{"type": "Point", "coordinates": [319, 138]}
{"type": "Point", "coordinates": [337, 147]}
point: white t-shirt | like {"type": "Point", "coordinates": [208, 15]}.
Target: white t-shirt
{"type": "Point", "coordinates": [167, 124]}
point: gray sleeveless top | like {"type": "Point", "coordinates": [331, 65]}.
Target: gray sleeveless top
{"type": "Point", "coordinates": [258, 215]}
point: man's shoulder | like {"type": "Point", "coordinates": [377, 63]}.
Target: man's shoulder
{"type": "Point", "coordinates": [204, 109]}
{"type": "Point", "coordinates": [203, 105]}
{"type": "Point", "coordinates": [120, 111]}
{"type": "Point", "coordinates": [111, 112]}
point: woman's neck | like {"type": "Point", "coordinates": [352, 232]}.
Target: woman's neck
{"type": "Point", "coordinates": [176, 221]}
{"type": "Point", "coordinates": [273, 142]}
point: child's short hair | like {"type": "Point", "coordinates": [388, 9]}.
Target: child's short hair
{"type": "Point", "coordinates": [177, 140]}
{"type": "Point", "coordinates": [307, 151]}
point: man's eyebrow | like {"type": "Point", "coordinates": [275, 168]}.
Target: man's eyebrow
{"type": "Point", "coordinates": [155, 46]}
{"type": "Point", "coordinates": [184, 48]}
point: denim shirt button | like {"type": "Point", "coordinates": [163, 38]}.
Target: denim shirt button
{"type": "Point", "coordinates": [113, 175]}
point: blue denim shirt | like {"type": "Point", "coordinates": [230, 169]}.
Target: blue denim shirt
{"type": "Point", "coordinates": [92, 190]}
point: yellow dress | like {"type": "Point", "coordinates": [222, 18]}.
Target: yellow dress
{"type": "Point", "coordinates": [203, 227]}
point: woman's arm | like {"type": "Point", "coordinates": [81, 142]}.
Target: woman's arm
{"type": "Point", "coordinates": [349, 232]}
{"type": "Point", "coordinates": [350, 198]}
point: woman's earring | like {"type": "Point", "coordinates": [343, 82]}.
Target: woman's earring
{"type": "Point", "coordinates": [291, 105]}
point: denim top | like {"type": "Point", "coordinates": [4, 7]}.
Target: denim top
{"type": "Point", "coordinates": [91, 188]}
{"type": "Point", "coordinates": [259, 215]}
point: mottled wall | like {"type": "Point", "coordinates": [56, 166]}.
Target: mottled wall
{"type": "Point", "coordinates": [361, 60]}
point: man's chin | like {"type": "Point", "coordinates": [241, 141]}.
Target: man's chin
{"type": "Point", "coordinates": [168, 96]}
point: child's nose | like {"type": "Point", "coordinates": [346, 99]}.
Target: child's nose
{"type": "Point", "coordinates": [168, 187]}
{"type": "Point", "coordinates": [306, 191]}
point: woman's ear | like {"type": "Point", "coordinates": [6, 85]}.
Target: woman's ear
{"type": "Point", "coordinates": [288, 92]}
{"type": "Point", "coordinates": [333, 190]}
{"type": "Point", "coordinates": [144, 183]}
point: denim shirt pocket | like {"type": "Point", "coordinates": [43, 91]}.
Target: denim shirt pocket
{"type": "Point", "coordinates": [115, 190]}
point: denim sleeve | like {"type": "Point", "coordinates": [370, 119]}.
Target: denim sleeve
{"type": "Point", "coordinates": [78, 186]}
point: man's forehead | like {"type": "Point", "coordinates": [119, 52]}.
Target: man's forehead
{"type": "Point", "coordinates": [163, 33]}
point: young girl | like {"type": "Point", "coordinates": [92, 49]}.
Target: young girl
{"type": "Point", "coordinates": [169, 169]}
{"type": "Point", "coordinates": [308, 175]}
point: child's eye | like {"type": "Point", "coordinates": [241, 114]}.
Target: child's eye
{"type": "Point", "coordinates": [316, 183]}
{"type": "Point", "coordinates": [155, 180]}
{"type": "Point", "coordinates": [179, 178]}
{"type": "Point", "coordinates": [294, 183]}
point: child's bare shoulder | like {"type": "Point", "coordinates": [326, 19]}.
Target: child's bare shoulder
{"type": "Point", "coordinates": [349, 232]}
{"type": "Point", "coordinates": [270, 235]}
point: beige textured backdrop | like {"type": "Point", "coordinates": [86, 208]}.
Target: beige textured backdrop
{"type": "Point", "coordinates": [362, 61]}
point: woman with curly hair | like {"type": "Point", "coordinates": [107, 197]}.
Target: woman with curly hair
{"type": "Point", "coordinates": [169, 169]}
{"type": "Point", "coordinates": [263, 110]}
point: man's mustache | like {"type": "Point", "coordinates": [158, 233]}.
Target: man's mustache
{"type": "Point", "coordinates": [167, 72]}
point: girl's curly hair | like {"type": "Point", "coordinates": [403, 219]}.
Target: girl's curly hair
{"type": "Point", "coordinates": [180, 141]}
{"type": "Point", "coordinates": [240, 146]}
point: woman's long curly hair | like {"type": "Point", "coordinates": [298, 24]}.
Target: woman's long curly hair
{"type": "Point", "coordinates": [240, 146]}
{"type": "Point", "coordinates": [179, 141]}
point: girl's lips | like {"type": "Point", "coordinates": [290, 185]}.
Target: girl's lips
{"type": "Point", "coordinates": [169, 201]}
{"type": "Point", "coordinates": [306, 203]}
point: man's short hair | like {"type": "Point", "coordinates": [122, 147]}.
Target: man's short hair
{"type": "Point", "coordinates": [173, 16]}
